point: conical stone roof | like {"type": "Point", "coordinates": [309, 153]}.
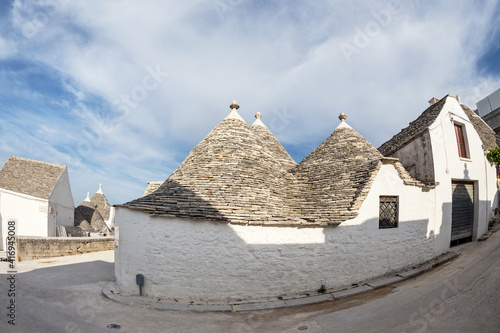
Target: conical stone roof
{"type": "Point", "coordinates": [280, 154]}
{"type": "Point", "coordinates": [241, 174]}
{"type": "Point", "coordinates": [101, 203]}
{"type": "Point", "coordinates": [88, 218]}
{"type": "Point", "coordinates": [337, 175]}
{"type": "Point", "coordinates": [231, 175]}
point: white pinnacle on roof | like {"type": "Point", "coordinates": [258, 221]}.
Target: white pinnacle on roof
{"type": "Point", "coordinates": [87, 198]}
{"type": "Point", "coordinates": [343, 124]}
{"type": "Point", "coordinates": [234, 113]}
{"type": "Point", "coordinates": [100, 189]}
{"type": "Point", "coordinates": [257, 121]}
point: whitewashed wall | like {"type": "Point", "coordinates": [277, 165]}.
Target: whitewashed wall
{"type": "Point", "coordinates": [194, 260]}
{"type": "Point", "coordinates": [449, 166]}
{"type": "Point", "coordinates": [61, 200]}
{"type": "Point", "coordinates": [31, 214]}
{"type": "Point", "coordinates": [417, 158]}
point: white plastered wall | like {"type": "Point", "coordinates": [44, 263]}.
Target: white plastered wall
{"type": "Point", "coordinates": [61, 203]}
{"type": "Point", "coordinates": [30, 213]}
{"type": "Point", "coordinates": [196, 260]}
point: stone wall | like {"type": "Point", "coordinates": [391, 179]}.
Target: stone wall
{"type": "Point", "coordinates": [31, 248]}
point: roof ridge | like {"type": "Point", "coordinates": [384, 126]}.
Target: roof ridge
{"type": "Point", "coordinates": [485, 132]}
{"type": "Point", "coordinates": [37, 161]}
{"type": "Point", "coordinates": [30, 177]}
{"type": "Point", "coordinates": [414, 129]}
{"type": "Point", "coordinates": [271, 142]}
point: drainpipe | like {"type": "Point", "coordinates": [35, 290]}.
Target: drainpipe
{"type": "Point", "coordinates": [487, 207]}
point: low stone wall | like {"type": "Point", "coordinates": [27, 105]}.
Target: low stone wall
{"type": "Point", "coordinates": [31, 248]}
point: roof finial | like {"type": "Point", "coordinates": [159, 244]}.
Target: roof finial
{"type": "Point", "coordinates": [88, 197]}
{"type": "Point", "coordinates": [234, 106]}
{"type": "Point", "coordinates": [258, 115]}
{"type": "Point", "coordinates": [100, 189]}
{"type": "Point", "coordinates": [342, 117]}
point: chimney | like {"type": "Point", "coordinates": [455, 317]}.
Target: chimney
{"type": "Point", "coordinates": [433, 100]}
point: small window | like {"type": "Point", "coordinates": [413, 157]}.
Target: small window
{"type": "Point", "coordinates": [459, 132]}
{"type": "Point", "coordinates": [389, 212]}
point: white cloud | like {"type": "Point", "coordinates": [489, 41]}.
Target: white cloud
{"type": "Point", "coordinates": [283, 60]}
{"type": "Point", "coordinates": [7, 48]}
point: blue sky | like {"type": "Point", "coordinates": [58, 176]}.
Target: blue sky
{"type": "Point", "coordinates": [120, 92]}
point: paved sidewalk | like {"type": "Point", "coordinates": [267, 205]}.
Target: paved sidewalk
{"type": "Point", "coordinates": [112, 292]}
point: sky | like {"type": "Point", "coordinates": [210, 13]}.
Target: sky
{"type": "Point", "coordinates": [121, 91]}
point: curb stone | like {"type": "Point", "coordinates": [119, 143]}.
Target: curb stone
{"type": "Point", "coordinates": [111, 292]}
{"type": "Point", "coordinates": [489, 233]}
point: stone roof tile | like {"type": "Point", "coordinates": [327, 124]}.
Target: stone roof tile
{"type": "Point", "coordinates": [30, 177]}
{"type": "Point", "coordinates": [337, 175]}
{"type": "Point", "coordinates": [231, 175]}
{"type": "Point", "coordinates": [152, 186]}
{"type": "Point", "coordinates": [88, 218]}
{"type": "Point", "coordinates": [280, 154]}
{"type": "Point", "coordinates": [485, 132]}
{"type": "Point", "coordinates": [101, 203]}
{"type": "Point", "coordinates": [242, 175]}
{"type": "Point", "coordinates": [414, 130]}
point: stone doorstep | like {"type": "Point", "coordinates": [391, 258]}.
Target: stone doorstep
{"type": "Point", "coordinates": [109, 292]}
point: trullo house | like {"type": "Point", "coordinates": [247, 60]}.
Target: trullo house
{"type": "Point", "coordinates": [37, 195]}
{"type": "Point", "coordinates": [240, 220]}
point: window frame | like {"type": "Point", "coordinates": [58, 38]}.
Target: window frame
{"type": "Point", "coordinates": [461, 139]}
{"type": "Point", "coordinates": [383, 221]}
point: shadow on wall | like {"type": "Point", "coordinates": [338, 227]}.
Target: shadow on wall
{"type": "Point", "coordinates": [185, 258]}
{"type": "Point", "coordinates": [466, 172]}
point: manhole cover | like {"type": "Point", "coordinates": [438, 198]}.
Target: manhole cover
{"type": "Point", "coordinates": [113, 326]}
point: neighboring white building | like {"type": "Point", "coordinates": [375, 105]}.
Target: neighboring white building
{"type": "Point", "coordinates": [240, 220]}
{"type": "Point", "coordinates": [446, 145]}
{"type": "Point", "coordinates": [37, 195]}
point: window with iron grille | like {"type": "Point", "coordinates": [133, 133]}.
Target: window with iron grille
{"type": "Point", "coordinates": [389, 212]}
